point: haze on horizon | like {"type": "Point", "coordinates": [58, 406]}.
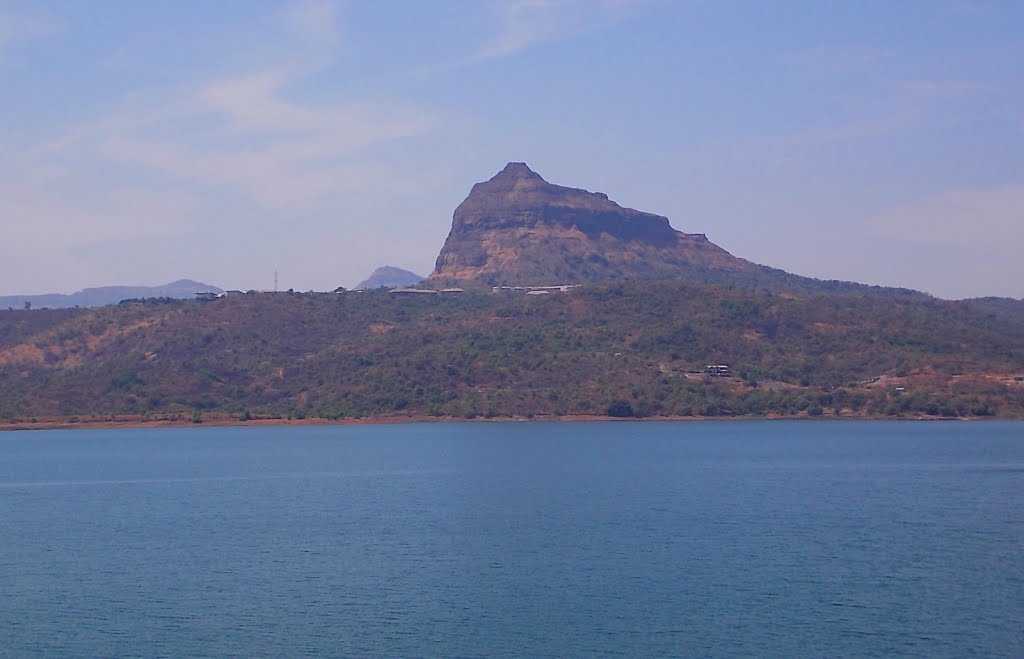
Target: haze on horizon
{"type": "Point", "coordinates": [143, 143]}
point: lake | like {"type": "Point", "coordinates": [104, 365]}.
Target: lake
{"type": "Point", "coordinates": [863, 539]}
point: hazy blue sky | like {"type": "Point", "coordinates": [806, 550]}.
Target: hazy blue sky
{"type": "Point", "coordinates": [141, 142]}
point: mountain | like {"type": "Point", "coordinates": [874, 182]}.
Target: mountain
{"type": "Point", "coordinates": [389, 277]}
{"type": "Point", "coordinates": [104, 295]}
{"type": "Point", "coordinates": [519, 229]}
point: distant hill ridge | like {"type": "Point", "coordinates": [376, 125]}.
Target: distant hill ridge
{"type": "Point", "coordinates": [104, 295]}
{"type": "Point", "coordinates": [390, 277]}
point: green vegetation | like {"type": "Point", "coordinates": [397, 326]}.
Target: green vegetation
{"type": "Point", "coordinates": [624, 349]}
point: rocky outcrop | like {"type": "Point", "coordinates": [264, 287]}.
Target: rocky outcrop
{"type": "Point", "coordinates": [519, 229]}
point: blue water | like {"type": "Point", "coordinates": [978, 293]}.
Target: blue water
{"type": "Point", "coordinates": [639, 539]}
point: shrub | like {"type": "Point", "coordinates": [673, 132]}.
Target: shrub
{"type": "Point", "coordinates": [620, 409]}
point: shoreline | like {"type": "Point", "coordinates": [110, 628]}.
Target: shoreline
{"type": "Point", "coordinates": [232, 422]}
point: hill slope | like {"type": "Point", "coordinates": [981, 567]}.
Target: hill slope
{"type": "Point", "coordinates": [634, 346]}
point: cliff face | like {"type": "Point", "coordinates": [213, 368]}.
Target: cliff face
{"type": "Point", "coordinates": [519, 229]}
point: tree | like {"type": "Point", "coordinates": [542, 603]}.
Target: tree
{"type": "Point", "coordinates": [620, 409]}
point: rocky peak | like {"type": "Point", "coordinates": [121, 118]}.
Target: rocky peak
{"type": "Point", "coordinates": [518, 228]}
{"type": "Point", "coordinates": [517, 170]}
{"type": "Point", "coordinates": [516, 181]}
{"type": "Point", "coordinates": [517, 196]}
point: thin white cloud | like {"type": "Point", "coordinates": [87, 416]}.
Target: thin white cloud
{"type": "Point", "coordinates": [903, 106]}
{"type": "Point", "coordinates": [524, 23]}
{"type": "Point", "coordinates": [278, 151]}
{"type": "Point", "coordinates": [123, 212]}
{"type": "Point", "coordinates": [314, 20]}
{"type": "Point", "coordinates": [251, 132]}
{"type": "Point", "coordinates": [990, 217]}
{"type": "Point", "coordinates": [971, 236]}
{"type": "Point", "coordinates": [823, 62]}
{"type": "Point", "coordinates": [945, 89]}
{"type": "Point", "coordinates": [20, 28]}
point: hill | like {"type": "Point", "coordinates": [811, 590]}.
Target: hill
{"type": "Point", "coordinates": [98, 297]}
{"type": "Point", "coordinates": [518, 229]}
{"type": "Point", "coordinates": [626, 348]}
{"type": "Point", "coordinates": [389, 277]}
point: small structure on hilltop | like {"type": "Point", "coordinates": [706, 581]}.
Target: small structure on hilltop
{"type": "Point", "coordinates": [718, 370]}
{"type": "Point", "coordinates": [560, 288]}
{"type": "Point", "coordinates": [420, 292]}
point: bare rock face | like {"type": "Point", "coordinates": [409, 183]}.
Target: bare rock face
{"type": "Point", "coordinates": [519, 229]}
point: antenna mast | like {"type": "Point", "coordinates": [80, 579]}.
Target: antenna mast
{"type": "Point", "coordinates": [275, 281]}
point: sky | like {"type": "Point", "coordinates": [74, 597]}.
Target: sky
{"type": "Point", "coordinates": [143, 142]}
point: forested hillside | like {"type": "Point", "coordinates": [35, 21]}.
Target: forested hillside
{"type": "Point", "coordinates": [636, 348]}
